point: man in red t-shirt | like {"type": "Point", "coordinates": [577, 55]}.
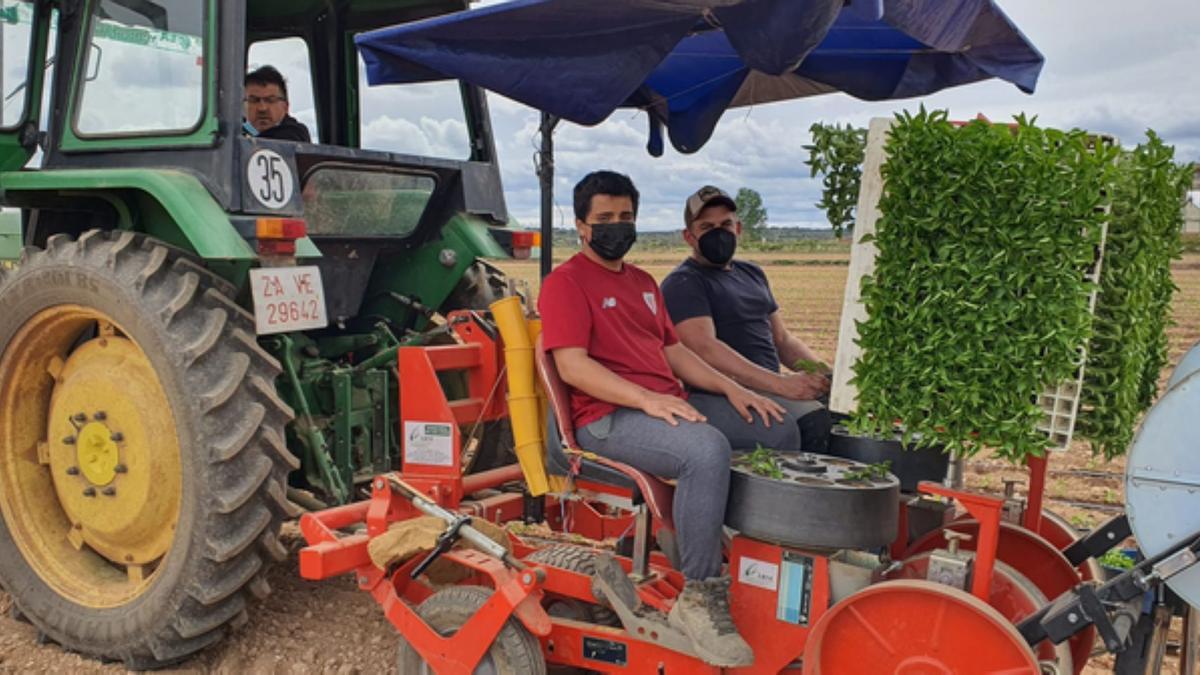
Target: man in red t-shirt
{"type": "Point", "coordinates": [608, 330]}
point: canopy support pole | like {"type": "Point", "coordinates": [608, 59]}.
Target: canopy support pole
{"type": "Point", "coordinates": [545, 173]}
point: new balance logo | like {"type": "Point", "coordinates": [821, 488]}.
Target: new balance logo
{"type": "Point", "coordinates": [608, 303]}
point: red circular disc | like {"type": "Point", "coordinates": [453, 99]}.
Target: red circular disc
{"type": "Point", "coordinates": [1056, 530]}
{"type": "Point", "coordinates": [911, 627]}
{"type": "Point", "coordinates": [1031, 555]}
{"type": "Point", "coordinates": [1014, 596]}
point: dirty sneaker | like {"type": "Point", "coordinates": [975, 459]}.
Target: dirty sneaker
{"type": "Point", "coordinates": [702, 612]}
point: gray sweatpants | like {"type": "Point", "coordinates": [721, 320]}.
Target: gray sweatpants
{"type": "Point", "coordinates": [697, 455]}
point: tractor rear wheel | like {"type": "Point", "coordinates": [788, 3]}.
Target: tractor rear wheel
{"type": "Point", "coordinates": [142, 460]}
{"type": "Point", "coordinates": [514, 652]}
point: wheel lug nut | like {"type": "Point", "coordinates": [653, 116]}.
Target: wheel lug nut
{"type": "Point", "coordinates": [109, 491]}
{"type": "Point", "coordinates": [100, 416]}
{"type": "Point", "coordinates": [72, 471]}
{"type": "Point", "coordinates": [68, 440]}
{"type": "Point", "coordinates": [79, 417]}
{"type": "Point", "coordinates": [117, 436]}
{"type": "Point", "coordinates": [120, 468]}
{"type": "Point", "coordinates": [89, 491]}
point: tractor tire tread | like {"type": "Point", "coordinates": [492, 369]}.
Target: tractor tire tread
{"type": "Point", "coordinates": [243, 462]}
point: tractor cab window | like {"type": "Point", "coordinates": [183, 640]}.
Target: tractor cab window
{"type": "Point", "coordinates": [144, 69]}
{"type": "Point", "coordinates": [16, 29]}
{"type": "Point", "coordinates": [351, 201]}
{"type": "Point", "coordinates": [426, 119]}
{"type": "Point", "coordinates": [290, 57]}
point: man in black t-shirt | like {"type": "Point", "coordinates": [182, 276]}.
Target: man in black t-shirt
{"type": "Point", "coordinates": [267, 108]}
{"type": "Point", "coordinates": [724, 311]}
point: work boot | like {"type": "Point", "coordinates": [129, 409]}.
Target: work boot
{"type": "Point", "coordinates": [702, 612]}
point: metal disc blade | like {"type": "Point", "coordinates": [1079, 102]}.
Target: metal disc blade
{"type": "Point", "coordinates": [1189, 364]}
{"type": "Point", "coordinates": [1162, 479]}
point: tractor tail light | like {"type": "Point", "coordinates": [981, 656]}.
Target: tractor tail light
{"type": "Point", "coordinates": [277, 236]}
{"type": "Point", "coordinates": [523, 241]}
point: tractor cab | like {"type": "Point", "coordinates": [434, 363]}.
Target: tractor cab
{"type": "Point", "coordinates": [147, 97]}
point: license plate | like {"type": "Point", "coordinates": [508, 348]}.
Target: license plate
{"type": "Point", "coordinates": [287, 299]}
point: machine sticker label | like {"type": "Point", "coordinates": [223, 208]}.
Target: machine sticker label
{"type": "Point", "coordinates": [795, 589]}
{"type": "Point", "coordinates": [270, 178]}
{"type": "Point", "coordinates": [605, 651]}
{"type": "Point", "coordinates": [428, 443]}
{"type": "Point", "coordinates": [761, 573]}
{"type": "Point", "coordinates": [287, 299]}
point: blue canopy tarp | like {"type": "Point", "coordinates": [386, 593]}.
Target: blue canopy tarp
{"type": "Point", "coordinates": [686, 61]}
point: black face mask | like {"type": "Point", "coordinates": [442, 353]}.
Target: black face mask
{"type": "Point", "coordinates": [717, 246]}
{"type": "Point", "coordinates": [612, 241]}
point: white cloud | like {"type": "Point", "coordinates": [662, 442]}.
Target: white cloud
{"type": "Point", "coordinates": [427, 137]}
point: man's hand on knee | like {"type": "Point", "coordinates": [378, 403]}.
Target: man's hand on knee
{"type": "Point", "coordinates": [667, 408]}
{"type": "Point", "coordinates": [743, 401]}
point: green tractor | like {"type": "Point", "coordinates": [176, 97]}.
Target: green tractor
{"type": "Point", "coordinates": [197, 324]}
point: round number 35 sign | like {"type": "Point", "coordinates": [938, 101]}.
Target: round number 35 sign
{"type": "Point", "coordinates": [270, 179]}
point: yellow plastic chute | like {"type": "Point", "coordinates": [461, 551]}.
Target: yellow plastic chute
{"type": "Point", "coordinates": [525, 408]}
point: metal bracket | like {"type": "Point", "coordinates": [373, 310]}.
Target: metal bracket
{"type": "Point", "coordinates": [1113, 607]}
{"type": "Point", "coordinates": [1172, 565]}
{"type": "Point", "coordinates": [1099, 541]}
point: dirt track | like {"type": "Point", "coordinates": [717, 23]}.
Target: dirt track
{"type": "Point", "coordinates": [303, 628]}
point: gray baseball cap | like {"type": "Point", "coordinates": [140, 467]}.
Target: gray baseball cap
{"type": "Point", "coordinates": [704, 198]}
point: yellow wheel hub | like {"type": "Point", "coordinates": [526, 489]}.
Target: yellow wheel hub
{"type": "Point", "coordinates": [97, 454]}
{"type": "Point", "coordinates": [90, 469]}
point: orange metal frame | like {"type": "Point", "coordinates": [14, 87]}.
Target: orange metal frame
{"type": "Point", "coordinates": [518, 593]}
{"type": "Point", "coordinates": [987, 510]}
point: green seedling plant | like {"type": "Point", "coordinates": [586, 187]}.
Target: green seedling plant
{"type": "Point", "coordinates": [811, 367]}
{"type": "Point", "coordinates": [762, 462]}
{"type": "Point", "coordinates": [870, 472]}
{"type": "Point", "coordinates": [1059, 489]}
{"type": "Point", "coordinates": [1081, 522]}
{"type": "Point", "coordinates": [1116, 559]}
{"type": "Point", "coordinates": [837, 153]}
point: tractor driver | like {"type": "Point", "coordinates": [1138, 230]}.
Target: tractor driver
{"type": "Point", "coordinates": [604, 323]}
{"type": "Point", "coordinates": [724, 311]}
{"type": "Point", "coordinates": [267, 108]}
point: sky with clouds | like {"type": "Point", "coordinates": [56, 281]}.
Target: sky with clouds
{"type": "Point", "coordinates": [1112, 66]}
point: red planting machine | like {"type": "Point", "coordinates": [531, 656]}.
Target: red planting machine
{"type": "Point", "coordinates": [835, 569]}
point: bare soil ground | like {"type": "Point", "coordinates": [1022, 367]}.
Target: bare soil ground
{"type": "Point", "coordinates": [331, 628]}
